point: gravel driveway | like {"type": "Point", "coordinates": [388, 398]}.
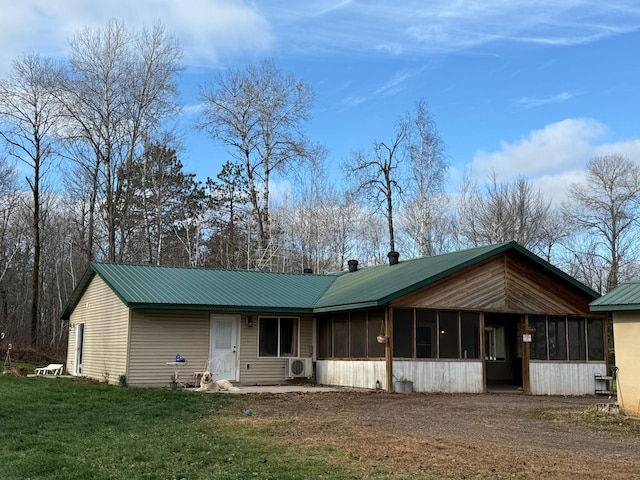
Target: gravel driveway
{"type": "Point", "coordinates": [506, 435]}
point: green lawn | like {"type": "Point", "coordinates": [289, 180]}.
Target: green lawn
{"type": "Point", "coordinates": [67, 429]}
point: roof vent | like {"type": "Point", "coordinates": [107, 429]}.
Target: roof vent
{"type": "Point", "coordinates": [307, 270]}
{"type": "Point", "coordinates": [393, 258]}
{"type": "Point", "coordinates": [353, 265]}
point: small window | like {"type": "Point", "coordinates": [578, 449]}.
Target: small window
{"type": "Point", "coordinates": [448, 334]}
{"type": "Point", "coordinates": [375, 327]}
{"type": "Point", "coordinates": [325, 335]}
{"type": "Point", "coordinates": [595, 339]}
{"type": "Point", "coordinates": [538, 338]}
{"type": "Point", "coordinates": [278, 337]}
{"type": "Point", "coordinates": [470, 335]}
{"type": "Point", "coordinates": [495, 344]}
{"type": "Point", "coordinates": [341, 336]}
{"type": "Point", "coordinates": [403, 333]}
{"type": "Point", "coordinates": [358, 335]}
{"type": "Point", "coordinates": [426, 334]}
{"type": "Point", "coordinates": [557, 338]}
{"type": "Point", "coordinates": [577, 344]}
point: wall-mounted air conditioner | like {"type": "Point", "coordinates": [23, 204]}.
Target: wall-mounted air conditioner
{"type": "Point", "coordinates": [299, 367]}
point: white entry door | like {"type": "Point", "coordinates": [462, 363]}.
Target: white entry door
{"type": "Point", "coordinates": [224, 347]}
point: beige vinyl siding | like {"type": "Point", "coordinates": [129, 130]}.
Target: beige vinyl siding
{"type": "Point", "coordinates": [255, 370]}
{"type": "Point", "coordinates": [156, 338]}
{"type": "Point", "coordinates": [106, 321]}
{"type": "Point", "coordinates": [626, 334]}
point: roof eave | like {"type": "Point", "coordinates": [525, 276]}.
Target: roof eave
{"type": "Point", "coordinates": [77, 293]}
{"type": "Point", "coordinates": [221, 308]}
{"type": "Point", "coordinates": [349, 306]}
{"type": "Point", "coordinates": [614, 308]}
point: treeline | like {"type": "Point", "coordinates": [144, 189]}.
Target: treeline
{"type": "Point", "coordinates": [90, 170]}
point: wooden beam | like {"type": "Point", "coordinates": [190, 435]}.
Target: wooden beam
{"type": "Point", "coordinates": [482, 353]}
{"type": "Point", "coordinates": [526, 357]}
{"type": "Point", "coordinates": [388, 326]}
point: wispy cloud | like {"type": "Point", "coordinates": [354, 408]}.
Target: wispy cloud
{"type": "Point", "coordinates": [192, 110]}
{"type": "Point", "coordinates": [394, 85]}
{"type": "Point", "coordinates": [214, 29]}
{"type": "Point", "coordinates": [531, 102]}
{"type": "Point", "coordinates": [354, 101]}
{"type": "Point", "coordinates": [418, 27]}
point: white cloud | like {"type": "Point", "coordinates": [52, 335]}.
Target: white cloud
{"type": "Point", "coordinates": [553, 157]}
{"type": "Point", "coordinates": [554, 148]}
{"type": "Point", "coordinates": [207, 29]}
{"type": "Point", "coordinates": [556, 187]}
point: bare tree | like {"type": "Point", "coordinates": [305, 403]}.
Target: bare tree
{"type": "Point", "coordinates": [378, 175]}
{"type": "Point", "coordinates": [411, 166]}
{"type": "Point", "coordinates": [10, 232]}
{"type": "Point", "coordinates": [121, 86]}
{"type": "Point", "coordinates": [607, 208]}
{"type": "Point", "coordinates": [428, 225]}
{"type": "Point", "coordinates": [504, 211]}
{"type": "Point", "coordinates": [259, 113]}
{"type": "Point", "coordinates": [29, 115]}
{"type": "Point", "coordinates": [315, 222]}
{"type": "Point", "coordinates": [553, 232]}
{"type": "Point", "coordinates": [426, 153]}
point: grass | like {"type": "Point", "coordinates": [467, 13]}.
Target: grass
{"type": "Point", "coordinates": [592, 417]}
{"type": "Point", "coordinates": [63, 428]}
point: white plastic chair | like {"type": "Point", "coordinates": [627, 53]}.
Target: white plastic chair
{"type": "Point", "coordinates": [51, 369]}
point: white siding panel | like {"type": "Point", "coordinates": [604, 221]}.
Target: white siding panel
{"type": "Point", "coordinates": [441, 376]}
{"type": "Point", "coordinates": [106, 321]}
{"type": "Point", "coordinates": [351, 373]}
{"type": "Point", "coordinates": [156, 338]}
{"type": "Point", "coordinates": [549, 378]}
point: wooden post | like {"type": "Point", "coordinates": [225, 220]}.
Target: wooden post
{"type": "Point", "coordinates": [388, 326]}
{"type": "Point", "coordinates": [483, 353]}
{"type": "Point", "coordinates": [526, 356]}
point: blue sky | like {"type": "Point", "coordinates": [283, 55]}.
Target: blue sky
{"type": "Point", "coordinates": [530, 88]}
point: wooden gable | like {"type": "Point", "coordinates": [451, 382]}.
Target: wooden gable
{"type": "Point", "coordinates": [507, 282]}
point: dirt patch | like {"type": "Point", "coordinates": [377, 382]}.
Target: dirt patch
{"type": "Point", "coordinates": [450, 436]}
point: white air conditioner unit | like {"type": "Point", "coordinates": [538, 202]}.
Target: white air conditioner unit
{"type": "Point", "coordinates": [299, 367]}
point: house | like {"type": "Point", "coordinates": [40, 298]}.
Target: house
{"type": "Point", "coordinates": [624, 303]}
{"type": "Point", "coordinates": [459, 322]}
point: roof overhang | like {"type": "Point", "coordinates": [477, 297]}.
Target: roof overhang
{"type": "Point", "coordinates": [220, 308]}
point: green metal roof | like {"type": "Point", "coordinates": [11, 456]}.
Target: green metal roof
{"type": "Point", "coordinates": [148, 286]}
{"type": "Point", "coordinates": [625, 296]}
{"type": "Point", "coordinates": [378, 285]}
